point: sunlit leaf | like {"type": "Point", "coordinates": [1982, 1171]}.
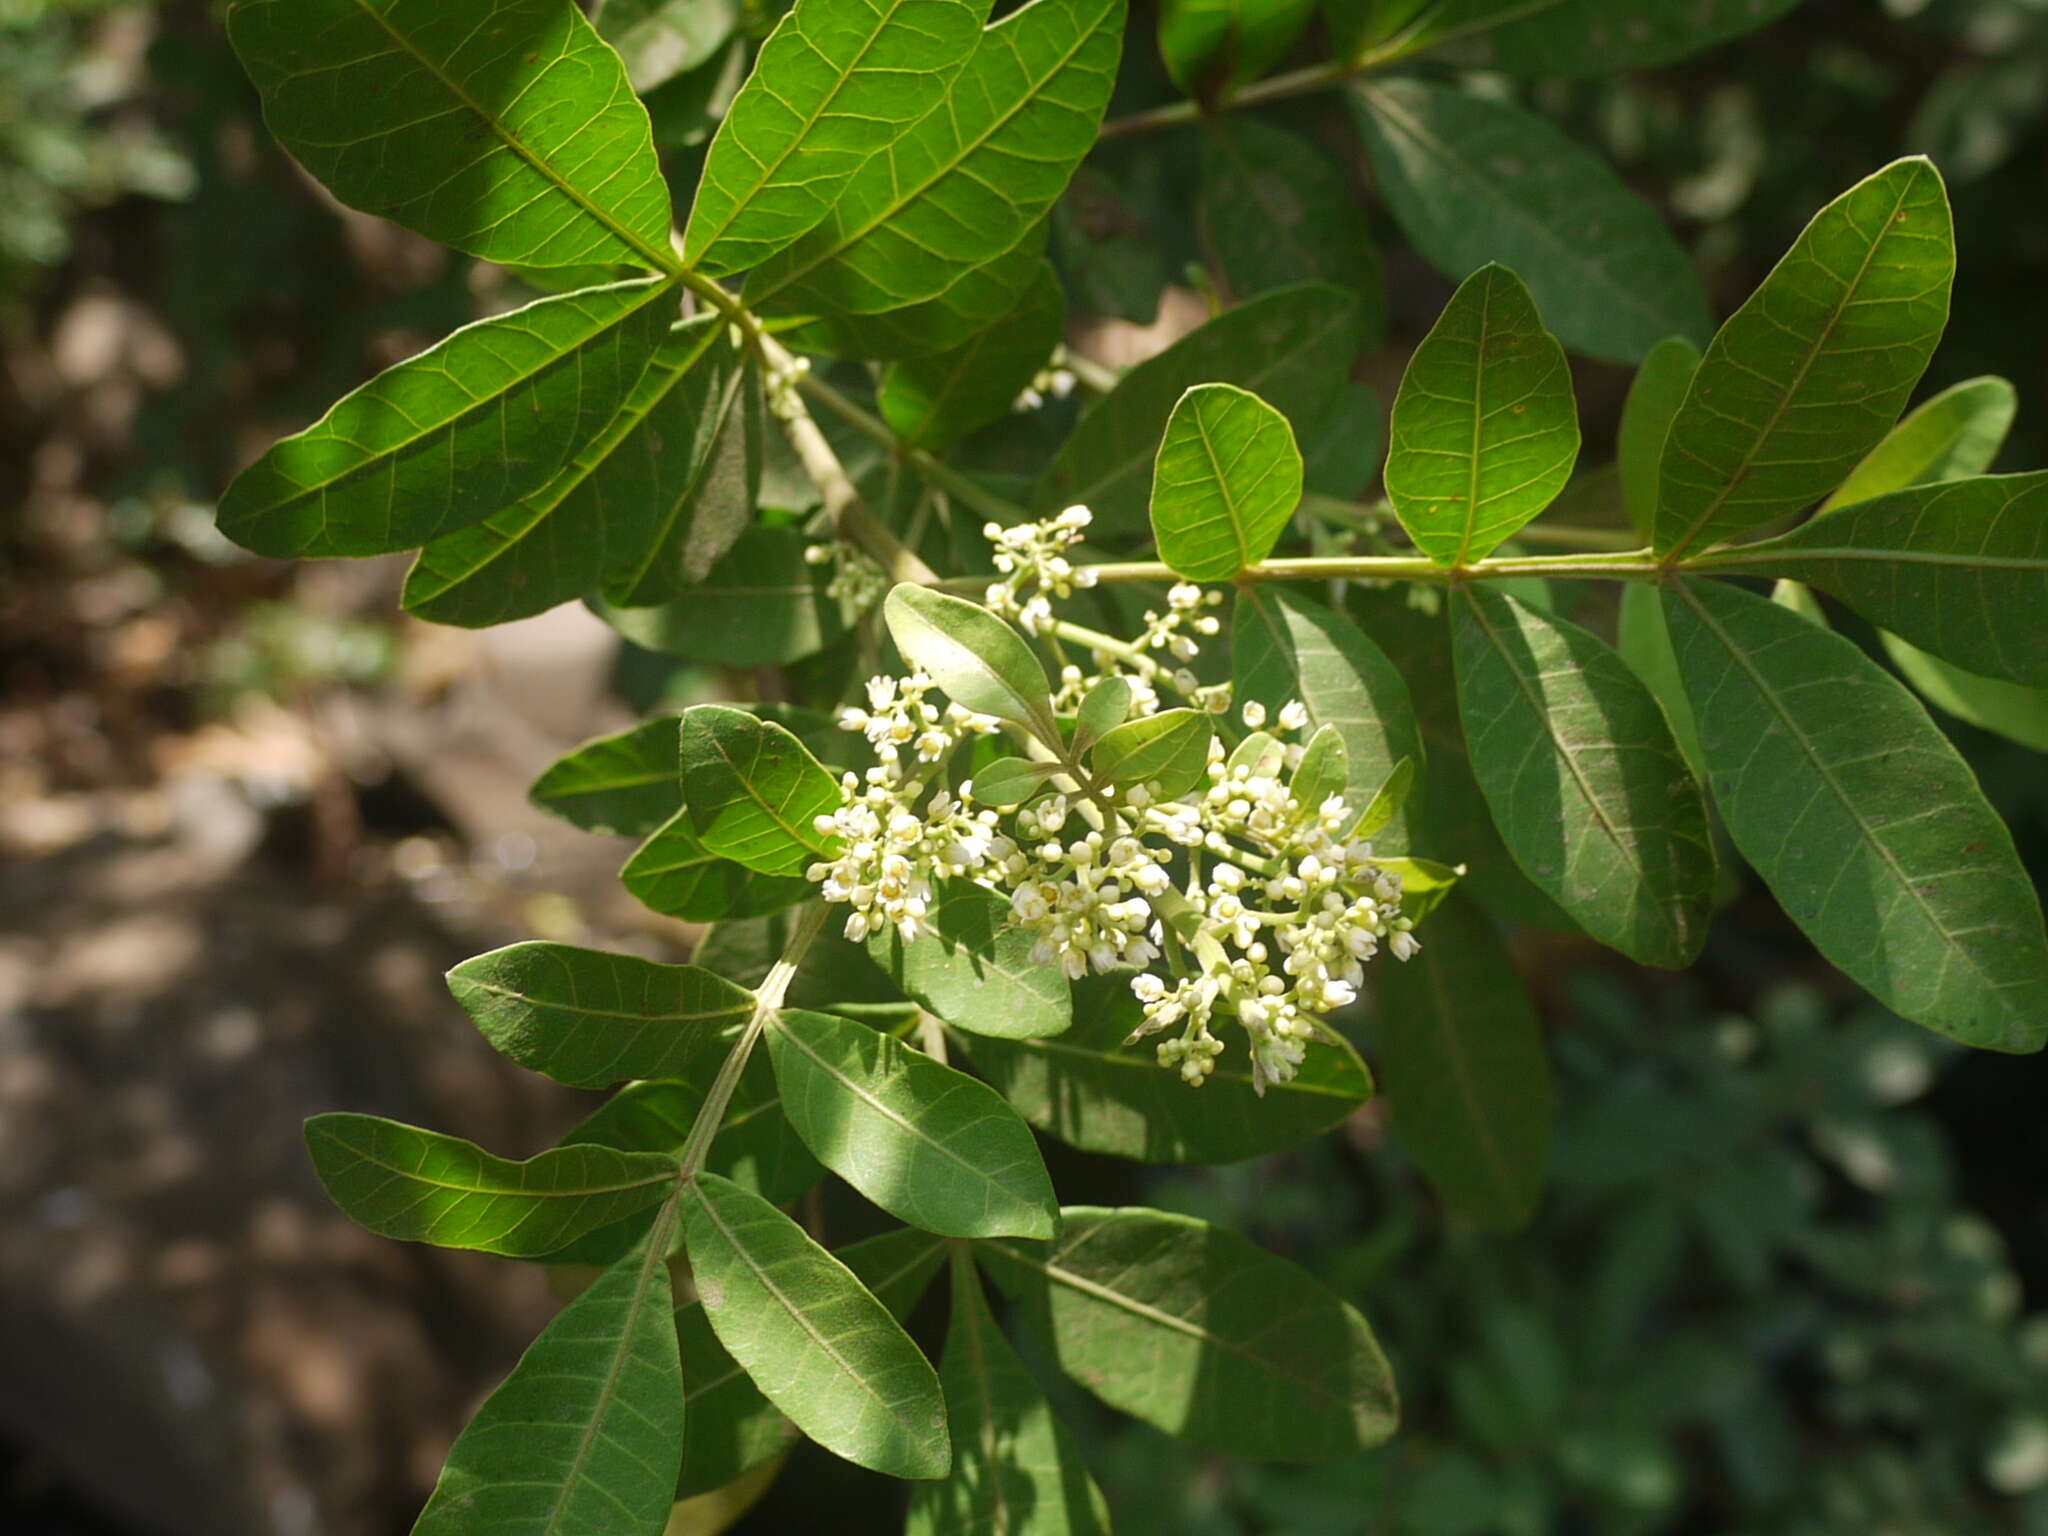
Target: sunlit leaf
{"type": "Point", "coordinates": [1485, 429]}
{"type": "Point", "coordinates": [1955, 434]}
{"type": "Point", "coordinates": [423, 1187]}
{"type": "Point", "coordinates": [1225, 484]}
{"type": "Point", "coordinates": [974, 969]}
{"type": "Point", "coordinates": [925, 1143]}
{"type": "Point", "coordinates": [1812, 371]}
{"type": "Point", "coordinates": [978, 661]}
{"type": "Point", "coordinates": [675, 874]}
{"type": "Point", "coordinates": [1169, 749]}
{"type": "Point", "coordinates": [753, 792]}
{"type": "Point", "coordinates": [1863, 820]}
{"type": "Point", "coordinates": [814, 1340]}
{"type": "Point", "coordinates": [511, 134]}
{"type": "Point", "coordinates": [1201, 1333]}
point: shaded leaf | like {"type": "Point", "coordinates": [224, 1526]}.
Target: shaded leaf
{"type": "Point", "coordinates": [421, 450]}
{"type": "Point", "coordinates": [1959, 568]}
{"type": "Point", "coordinates": [1587, 38]}
{"type": "Point", "coordinates": [1645, 644]}
{"type": "Point", "coordinates": [834, 971]}
{"type": "Point", "coordinates": [1955, 434]}
{"type": "Point", "coordinates": [675, 874]}
{"type": "Point", "coordinates": [1485, 429]}
{"type": "Point", "coordinates": [590, 1019]}
{"type": "Point", "coordinates": [625, 784]}
{"type": "Point", "coordinates": [1107, 706]}
{"type": "Point", "coordinates": [761, 605]}
{"type": "Point", "coordinates": [1325, 768]}
{"type": "Point", "coordinates": [1015, 1465]}
{"type": "Point", "coordinates": [1473, 180]}
{"type": "Point", "coordinates": [1812, 371]}
{"type": "Point", "coordinates": [835, 84]}
{"type": "Point", "coordinates": [1586, 784]}
{"type": "Point", "coordinates": [925, 1143]}
{"type": "Point", "coordinates": [1216, 45]}
{"type": "Point", "coordinates": [935, 401]}
{"type": "Point", "coordinates": [1862, 819]}
{"type": "Point", "coordinates": [1292, 347]}
{"type": "Point", "coordinates": [753, 791]}
{"type": "Point", "coordinates": [512, 135]}
{"type": "Point", "coordinates": [817, 1344]}
{"type": "Point", "coordinates": [978, 661]}
{"type": "Point", "coordinates": [587, 1431]}
{"type": "Point", "coordinates": [1011, 780]}
{"type": "Point", "coordinates": [1201, 1333]}
{"type": "Point", "coordinates": [1225, 484]}
{"type": "Point", "coordinates": [969, 180]}
{"type": "Point", "coordinates": [980, 298]}
{"type": "Point", "coordinates": [1653, 399]}
{"type": "Point", "coordinates": [423, 1187]}
{"type": "Point", "coordinates": [733, 1428]}
{"type": "Point", "coordinates": [2012, 710]}
{"type": "Point", "coordinates": [1460, 1057]}
{"type": "Point", "coordinates": [974, 970]}
{"type": "Point", "coordinates": [1092, 1091]}
{"type": "Point", "coordinates": [1170, 749]}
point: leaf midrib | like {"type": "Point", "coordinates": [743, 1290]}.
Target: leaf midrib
{"type": "Point", "coordinates": [739, 1010]}
{"type": "Point", "coordinates": [581, 1192]}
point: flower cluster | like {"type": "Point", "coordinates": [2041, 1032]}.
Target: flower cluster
{"type": "Point", "coordinates": [1054, 381]}
{"type": "Point", "coordinates": [858, 583]}
{"type": "Point", "coordinates": [1250, 887]}
{"type": "Point", "coordinates": [1032, 558]}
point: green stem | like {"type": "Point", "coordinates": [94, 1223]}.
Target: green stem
{"type": "Point", "coordinates": [1634, 565]}
{"type": "Point", "coordinates": [767, 998]}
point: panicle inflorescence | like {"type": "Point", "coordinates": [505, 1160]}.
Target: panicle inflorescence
{"type": "Point", "coordinates": [1251, 887]}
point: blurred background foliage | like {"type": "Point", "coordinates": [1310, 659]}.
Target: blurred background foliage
{"type": "Point", "coordinates": [1793, 1273]}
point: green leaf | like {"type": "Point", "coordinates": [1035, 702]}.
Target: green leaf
{"type": "Point", "coordinates": [1285, 646]}
{"type": "Point", "coordinates": [1292, 347]}
{"type": "Point", "coordinates": [1653, 399]}
{"type": "Point", "coordinates": [590, 1019]}
{"type": "Point", "coordinates": [753, 791]}
{"type": "Point", "coordinates": [1276, 210]}
{"type": "Point", "coordinates": [1107, 706]}
{"type": "Point", "coordinates": [1955, 434]}
{"type": "Point", "coordinates": [935, 401]}
{"type": "Point", "coordinates": [647, 505]}
{"type": "Point", "coordinates": [974, 970]}
{"type": "Point", "coordinates": [660, 39]}
{"type": "Point", "coordinates": [422, 449]}
{"type": "Point", "coordinates": [979, 662]}
{"type": "Point", "coordinates": [511, 134]}
{"type": "Point", "coordinates": [1460, 1056]}
{"type": "Point", "coordinates": [1170, 749]}
{"type": "Point", "coordinates": [981, 298]}
{"type": "Point", "coordinates": [1424, 883]}
{"type": "Point", "coordinates": [1227, 479]}
{"type": "Point", "coordinates": [1583, 39]}
{"type": "Point", "coordinates": [818, 1345]}
{"type": "Point", "coordinates": [733, 1428]}
{"type": "Point", "coordinates": [587, 1431]}
{"type": "Point", "coordinates": [1862, 819]}
{"type": "Point", "coordinates": [761, 605]}
{"type": "Point", "coordinates": [925, 1143]}
{"type": "Point", "coordinates": [1473, 180]}
{"type": "Point", "coordinates": [1959, 568]}
{"type": "Point", "coordinates": [1015, 1465]}
{"type": "Point", "coordinates": [1092, 1091]}
{"type": "Point", "coordinates": [835, 971]}
{"type": "Point", "coordinates": [1325, 768]}
{"type": "Point", "coordinates": [1201, 1333]}
{"type": "Point", "coordinates": [1485, 428]}
{"type": "Point", "coordinates": [423, 1187]}
{"type": "Point", "coordinates": [2015, 712]}
{"type": "Point", "coordinates": [1586, 784]}
{"type": "Point", "coordinates": [1812, 371]}
{"type": "Point", "coordinates": [837, 82]}
{"type": "Point", "coordinates": [1645, 644]}
{"type": "Point", "coordinates": [624, 785]}
{"type": "Point", "coordinates": [969, 180]}
{"type": "Point", "coordinates": [1217, 45]}
{"type": "Point", "coordinates": [1011, 781]}
{"type": "Point", "coordinates": [1387, 801]}
{"type": "Point", "coordinates": [675, 874]}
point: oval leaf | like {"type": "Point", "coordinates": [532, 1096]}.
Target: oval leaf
{"type": "Point", "coordinates": [1862, 819]}
{"type": "Point", "coordinates": [423, 1187]}
{"type": "Point", "coordinates": [1217, 45]}
{"type": "Point", "coordinates": [510, 133]}
{"type": "Point", "coordinates": [815, 1341]}
{"type": "Point", "coordinates": [974, 970]}
{"type": "Point", "coordinates": [1485, 429]}
{"type": "Point", "coordinates": [1815, 367]}
{"type": "Point", "coordinates": [1010, 781]}
{"type": "Point", "coordinates": [1170, 749]}
{"type": "Point", "coordinates": [1473, 180]}
{"type": "Point", "coordinates": [421, 450]}
{"type": "Point", "coordinates": [980, 662]}
{"type": "Point", "coordinates": [753, 791]}
{"type": "Point", "coordinates": [1227, 479]}
{"type": "Point", "coordinates": [587, 1431]}
{"type": "Point", "coordinates": [591, 1019]}
{"type": "Point", "coordinates": [1585, 782]}
{"type": "Point", "coordinates": [675, 874]}
{"type": "Point", "coordinates": [625, 785]}
{"type": "Point", "coordinates": [925, 1143]}
{"type": "Point", "coordinates": [1461, 1059]}
{"type": "Point", "coordinates": [1199, 1332]}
